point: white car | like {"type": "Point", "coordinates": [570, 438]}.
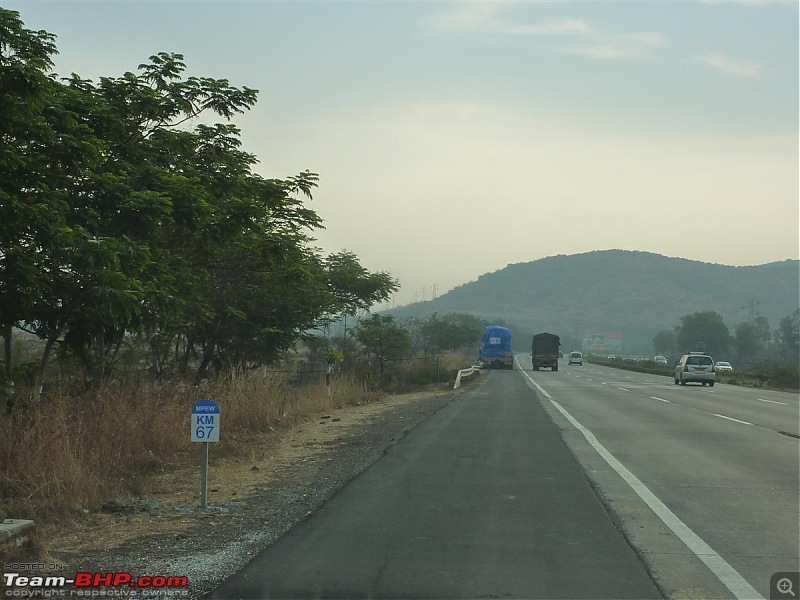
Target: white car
{"type": "Point", "coordinates": [576, 358]}
{"type": "Point", "coordinates": [723, 365]}
{"type": "Point", "coordinates": [697, 367]}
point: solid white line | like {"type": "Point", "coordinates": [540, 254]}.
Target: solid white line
{"type": "Point", "coordinates": [718, 565]}
{"type": "Point", "coordinates": [732, 419]}
{"type": "Point", "coordinates": [657, 398]}
{"type": "Point", "coordinates": [623, 389]}
{"type": "Point", "coordinates": [773, 402]}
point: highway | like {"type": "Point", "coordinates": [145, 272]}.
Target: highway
{"type": "Point", "coordinates": [589, 482]}
{"type": "Point", "coordinates": [723, 460]}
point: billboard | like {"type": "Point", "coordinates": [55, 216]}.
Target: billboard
{"type": "Point", "coordinates": [602, 342]}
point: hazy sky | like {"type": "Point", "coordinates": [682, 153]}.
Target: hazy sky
{"type": "Point", "coordinates": [454, 138]}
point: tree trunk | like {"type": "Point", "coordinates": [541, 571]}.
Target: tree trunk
{"type": "Point", "coordinates": [8, 392]}
{"type": "Point", "coordinates": [38, 384]}
{"type": "Point", "coordinates": [9, 368]}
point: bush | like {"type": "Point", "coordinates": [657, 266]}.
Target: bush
{"type": "Point", "coordinates": [780, 375]}
{"type": "Point", "coordinates": [70, 454]}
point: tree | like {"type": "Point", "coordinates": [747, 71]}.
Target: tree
{"type": "Point", "coordinates": [354, 287]}
{"type": "Point", "coordinates": [703, 330]}
{"type": "Point", "coordinates": [27, 220]}
{"type": "Point", "coordinates": [451, 332]}
{"type": "Point", "coordinates": [120, 221]}
{"type": "Point", "coordinates": [747, 342]}
{"type": "Point", "coordinates": [382, 338]}
{"type": "Point", "coordinates": [787, 337]}
{"type": "Point", "coordinates": [763, 333]}
{"type": "Point", "coordinates": [664, 342]}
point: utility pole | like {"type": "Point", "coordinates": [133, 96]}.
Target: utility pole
{"type": "Point", "coordinates": [434, 292]}
{"type": "Point", "coordinates": [751, 310]}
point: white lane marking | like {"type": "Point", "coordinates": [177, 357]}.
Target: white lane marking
{"type": "Point", "coordinates": [772, 401]}
{"type": "Point", "coordinates": [604, 382]}
{"type": "Point", "coordinates": [623, 389]}
{"type": "Point", "coordinates": [657, 398]}
{"type": "Point", "coordinates": [716, 564]}
{"type": "Point", "coordinates": [732, 419]}
{"type": "Point", "coordinates": [587, 379]}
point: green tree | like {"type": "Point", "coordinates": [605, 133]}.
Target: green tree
{"type": "Point", "coordinates": [664, 342]}
{"type": "Point", "coordinates": [120, 220]}
{"type": "Point", "coordinates": [763, 333]}
{"type": "Point", "coordinates": [354, 287]}
{"type": "Point", "coordinates": [27, 217]}
{"type": "Point", "coordinates": [747, 342]}
{"type": "Point", "coordinates": [382, 338]}
{"type": "Point", "coordinates": [703, 330]}
{"type": "Point", "coordinates": [450, 332]}
{"type": "Point", "coordinates": [787, 337]}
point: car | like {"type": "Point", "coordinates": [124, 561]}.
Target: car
{"type": "Point", "coordinates": [723, 365]}
{"type": "Point", "coordinates": [576, 358]}
{"type": "Point", "coordinates": [695, 367]}
{"type": "Point", "coordinates": [660, 360]}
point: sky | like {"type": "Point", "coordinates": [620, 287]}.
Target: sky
{"type": "Point", "coordinates": [455, 138]}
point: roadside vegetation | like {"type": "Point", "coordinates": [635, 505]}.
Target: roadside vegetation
{"type": "Point", "coordinates": [76, 448]}
{"type": "Point", "coordinates": [145, 265]}
{"type": "Point", "coordinates": [761, 357]}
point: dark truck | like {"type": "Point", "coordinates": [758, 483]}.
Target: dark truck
{"type": "Point", "coordinates": [495, 351]}
{"type": "Point", "coordinates": [544, 351]}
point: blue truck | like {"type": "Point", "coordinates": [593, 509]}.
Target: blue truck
{"type": "Point", "coordinates": [495, 351]}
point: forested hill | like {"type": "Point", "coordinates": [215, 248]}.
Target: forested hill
{"type": "Point", "coordinates": [637, 293]}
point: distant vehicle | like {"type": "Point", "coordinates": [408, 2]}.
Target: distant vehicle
{"type": "Point", "coordinates": [660, 360]}
{"type": "Point", "coordinates": [495, 351]}
{"type": "Point", "coordinates": [724, 366]}
{"type": "Point", "coordinates": [576, 358]}
{"type": "Point", "coordinates": [544, 351]}
{"type": "Point", "coordinates": [612, 357]}
{"type": "Point", "coordinates": [695, 366]}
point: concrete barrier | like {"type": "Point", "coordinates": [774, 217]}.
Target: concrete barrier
{"type": "Point", "coordinates": [16, 531]}
{"type": "Point", "coordinates": [465, 373]}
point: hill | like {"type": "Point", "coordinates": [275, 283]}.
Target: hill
{"type": "Point", "coordinates": [635, 293]}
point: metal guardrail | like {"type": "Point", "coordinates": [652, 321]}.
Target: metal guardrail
{"type": "Point", "coordinates": [465, 373]}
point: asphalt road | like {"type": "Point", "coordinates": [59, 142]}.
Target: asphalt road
{"type": "Point", "coordinates": [723, 462]}
{"type": "Point", "coordinates": [481, 500]}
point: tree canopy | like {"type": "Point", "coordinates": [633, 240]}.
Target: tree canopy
{"type": "Point", "coordinates": [703, 330]}
{"type": "Point", "coordinates": [124, 219]}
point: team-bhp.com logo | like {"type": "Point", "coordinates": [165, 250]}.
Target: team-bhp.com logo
{"type": "Point", "coordinates": [93, 585]}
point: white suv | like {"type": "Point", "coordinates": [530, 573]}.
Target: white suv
{"type": "Point", "coordinates": [695, 366]}
{"type": "Point", "coordinates": [576, 358]}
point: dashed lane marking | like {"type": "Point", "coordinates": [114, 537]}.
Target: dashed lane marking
{"type": "Point", "coordinates": [729, 576]}
{"type": "Point", "coordinates": [732, 419]}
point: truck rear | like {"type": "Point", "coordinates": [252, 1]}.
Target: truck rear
{"type": "Point", "coordinates": [544, 351]}
{"type": "Point", "coordinates": [495, 351]}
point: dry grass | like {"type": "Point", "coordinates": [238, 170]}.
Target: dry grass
{"type": "Point", "coordinates": [69, 455]}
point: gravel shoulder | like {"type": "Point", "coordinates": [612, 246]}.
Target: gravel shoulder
{"type": "Point", "coordinates": [276, 482]}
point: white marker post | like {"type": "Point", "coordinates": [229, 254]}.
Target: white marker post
{"type": "Point", "coordinates": [205, 429]}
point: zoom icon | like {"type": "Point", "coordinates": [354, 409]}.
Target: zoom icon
{"type": "Point", "coordinates": [783, 586]}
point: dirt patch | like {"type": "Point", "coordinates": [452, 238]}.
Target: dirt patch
{"type": "Point", "coordinates": [272, 483]}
